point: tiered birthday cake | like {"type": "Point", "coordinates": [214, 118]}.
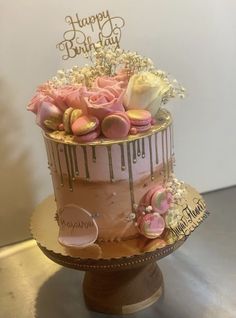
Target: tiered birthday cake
{"type": "Point", "coordinates": [110, 151]}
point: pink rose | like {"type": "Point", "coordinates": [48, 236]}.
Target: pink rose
{"type": "Point", "coordinates": [46, 93]}
{"type": "Point", "coordinates": [103, 103]}
{"type": "Point", "coordinates": [75, 98]}
{"type": "Point", "coordinates": [108, 83]}
{"type": "Point", "coordinates": [59, 95]}
{"type": "Point", "coordinates": [62, 97]}
{"type": "Point", "coordinates": [106, 97]}
{"type": "Point", "coordinates": [49, 116]}
{"type": "Point", "coordinates": [36, 101]}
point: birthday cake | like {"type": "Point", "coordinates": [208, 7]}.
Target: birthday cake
{"type": "Point", "coordinates": [110, 149]}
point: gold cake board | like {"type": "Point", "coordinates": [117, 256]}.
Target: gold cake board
{"type": "Point", "coordinates": [122, 283]}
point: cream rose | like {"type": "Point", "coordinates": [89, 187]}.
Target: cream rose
{"type": "Point", "coordinates": [145, 90]}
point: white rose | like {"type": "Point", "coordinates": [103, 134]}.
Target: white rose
{"type": "Point", "coordinates": [145, 90]}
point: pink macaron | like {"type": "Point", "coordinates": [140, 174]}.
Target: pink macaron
{"type": "Point", "coordinates": [158, 198]}
{"type": "Point", "coordinates": [89, 136]}
{"type": "Point", "coordinates": [142, 128]}
{"type": "Point", "coordinates": [84, 124]}
{"type": "Point", "coordinates": [116, 125]}
{"type": "Point", "coordinates": [140, 119]}
{"type": "Point", "coordinates": [146, 199]}
{"type": "Point", "coordinates": [161, 200]}
{"type": "Point", "coordinates": [151, 225]}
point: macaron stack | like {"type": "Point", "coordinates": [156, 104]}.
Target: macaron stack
{"type": "Point", "coordinates": [69, 117]}
{"type": "Point", "coordinates": [151, 225]}
{"type": "Point", "coordinates": [152, 210]}
{"type": "Point", "coordinates": [140, 120]}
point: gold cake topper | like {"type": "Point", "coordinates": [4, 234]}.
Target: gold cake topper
{"type": "Point", "coordinates": [85, 33]}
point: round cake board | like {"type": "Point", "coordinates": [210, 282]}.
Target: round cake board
{"type": "Point", "coordinates": [120, 278]}
{"type": "Point", "coordinates": [121, 282]}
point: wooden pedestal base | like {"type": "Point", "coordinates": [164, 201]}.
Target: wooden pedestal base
{"type": "Point", "coordinates": [124, 291]}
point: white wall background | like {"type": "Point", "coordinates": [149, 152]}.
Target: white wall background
{"type": "Point", "coordinates": [193, 40]}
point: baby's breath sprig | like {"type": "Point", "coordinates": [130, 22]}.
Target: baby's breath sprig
{"type": "Point", "coordinates": [172, 87]}
{"type": "Point", "coordinates": [107, 61]}
{"type": "Point", "coordinates": [135, 63]}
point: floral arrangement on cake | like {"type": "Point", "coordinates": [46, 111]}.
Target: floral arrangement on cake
{"type": "Point", "coordinates": [117, 99]}
{"type": "Point", "coordinates": [118, 95]}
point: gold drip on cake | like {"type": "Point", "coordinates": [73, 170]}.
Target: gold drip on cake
{"type": "Point", "coordinates": [122, 157]}
{"type": "Point", "coordinates": [75, 160]}
{"type": "Point", "coordinates": [71, 162]}
{"type": "Point", "coordinates": [143, 148]}
{"type": "Point", "coordinates": [131, 184]}
{"type": "Point", "coordinates": [94, 153]}
{"type": "Point", "coordinates": [134, 151]}
{"type": "Point", "coordinates": [53, 156]}
{"type": "Point", "coordinates": [68, 168]}
{"type": "Point", "coordinates": [171, 128]}
{"type": "Point", "coordinates": [166, 152]}
{"type": "Point", "coordinates": [156, 149]}
{"type": "Point", "coordinates": [86, 162]}
{"type": "Point", "coordinates": [48, 155]}
{"type": "Point", "coordinates": [138, 148]}
{"type": "Point", "coordinates": [110, 164]}
{"type": "Point", "coordinates": [150, 155]}
{"type": "Point", "coordinates": [163, 156]}
{"type": "Point", "coordinates": [170, 140]}
{"type": "Point", "coordinates": [59, 165]}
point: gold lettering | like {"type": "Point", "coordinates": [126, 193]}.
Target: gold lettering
{"type": "Point", "coordinates": [76, 42]}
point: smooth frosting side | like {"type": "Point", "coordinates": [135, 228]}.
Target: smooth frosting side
{"type": "Point", "coordinates": [109, 203]}
{"type": "Point", "coordinates": [108, 181]}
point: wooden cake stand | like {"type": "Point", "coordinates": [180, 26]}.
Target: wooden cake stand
{"type": "Point", "coordinates": [120, 284]}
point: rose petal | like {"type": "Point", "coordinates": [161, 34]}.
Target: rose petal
{"type": "Point", "coordinates": [102, 110]}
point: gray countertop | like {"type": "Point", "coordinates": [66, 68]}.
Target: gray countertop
{"type": "Point", "coordinates": [200, 277]}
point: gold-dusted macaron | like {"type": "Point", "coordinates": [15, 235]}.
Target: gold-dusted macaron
{"type": "Point", "coordinates": [69, 117]}
{"type": "Point", "coordinates": [138, 115]}
{"type": "Point", "coordinates": [66, 120]}
{"type": "Point", "coordinates": [76, 113]}
{"type": "Point", "coordinates": [84, 124]}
